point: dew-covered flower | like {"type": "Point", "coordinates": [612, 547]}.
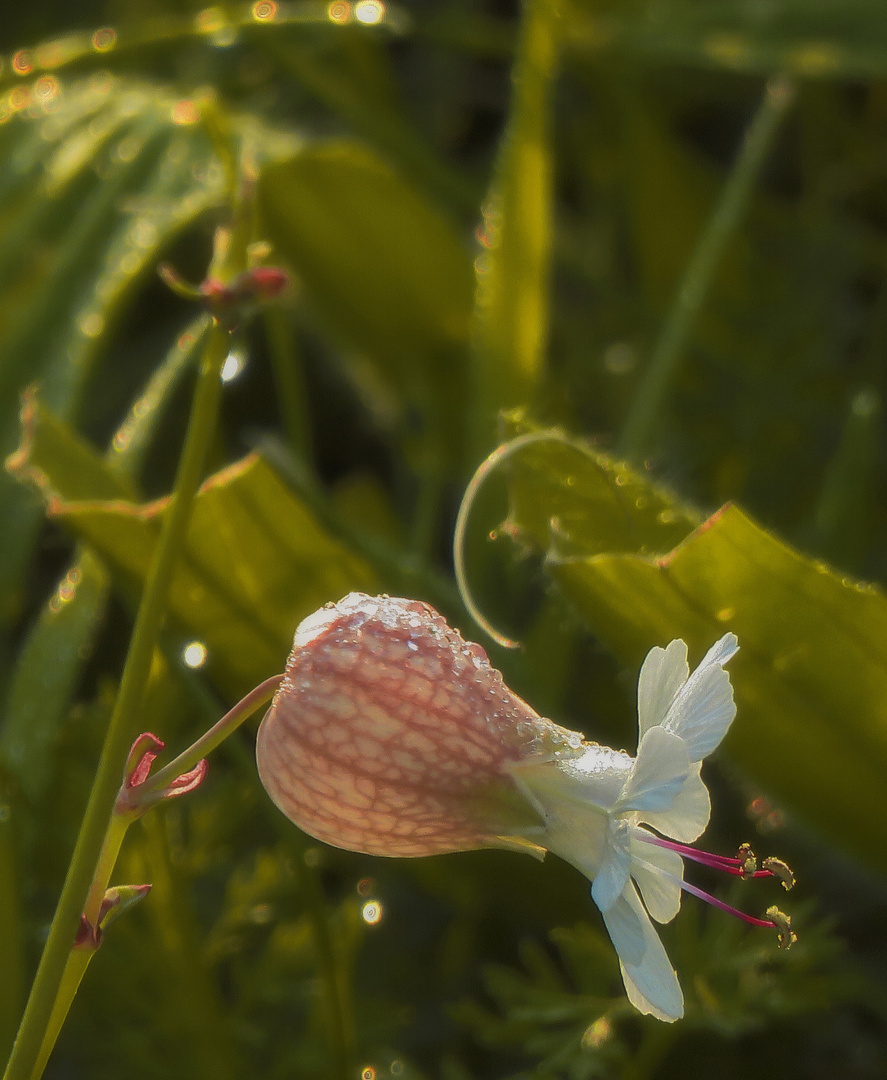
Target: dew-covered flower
{"type": "Point", "coordinates": [392, 735]}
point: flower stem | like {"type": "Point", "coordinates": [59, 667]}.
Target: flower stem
{"type": "Point", "coordinates": [212, 738]}
{"type": "Point", "coordinates": [694, 286]}
{"type": "Point", "coordinates": [25, 1060]}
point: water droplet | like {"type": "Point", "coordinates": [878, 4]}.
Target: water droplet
{"type": "Point", "coordinates": [371, 912]}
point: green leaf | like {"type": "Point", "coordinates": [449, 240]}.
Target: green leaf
{"type": "Point", "coordinates": [511, 317]}
{"type": "Point", "coordinates": [577, 500]}
{"type": "Point", "coordinates": [810, 38]}
{"type": "Point", "coordinates": [51, 659]}
{"type": "Point", "coordinates": [255, 564]}
{"type": "Point", "coordinates": [96, 182]}
{"type": "Point", "coordinates": [811, 676]}
{"type": "Point", "coordinates": [382, 269]}
{"type": "Point", "coordinates": [58, 462]}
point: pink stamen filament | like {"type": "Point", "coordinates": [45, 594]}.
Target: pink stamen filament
{"type": "Point", "coordinates": [717, 862]}
{"type": "Point", "coordinates": [713, 900]}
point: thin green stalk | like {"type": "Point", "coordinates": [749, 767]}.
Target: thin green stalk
{"type": "Point", "coordinates": [122, 728]}
{"type": "Point", "coordinates": [212, 738]}
{"type": "Point", "coordinates": [652, 393]}
{"type": "Point", "coordinates": [335, 988]}
{"type": "Point", "coordinates": [337, 1000]}
{"type": "Point", "coordinates": [75, 969]}
{"type": "Point", "coordinates": [12, 981]}
{"type": "Point", "coordinates": [289, 378]}
{"type": "Point", "coordinates": [511, 305]}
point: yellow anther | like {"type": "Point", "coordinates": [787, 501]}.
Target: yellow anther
{"type": "Point", "coordinates": [780, 870]}
{"type": "Point", "coordinates": [783, 925]}
{"type": "Point", "coordinates": [748, 861]}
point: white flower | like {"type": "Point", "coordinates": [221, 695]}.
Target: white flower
{"type": "Point", "coordinates": [392, 735]}
{"type": "Point", "coordinates": [599, 808]}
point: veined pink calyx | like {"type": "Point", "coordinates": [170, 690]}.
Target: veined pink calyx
{"type": "Point", "coordinates": [391, 735]}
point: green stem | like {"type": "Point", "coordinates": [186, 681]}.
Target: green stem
{"type": "Point", "coordinates": [696, 281]}
{"type": "Point", "coordinates": [289, 378]}
{"type": "Point", "coordinates": [122, 728]}
{"type": "Point", "coordinates": [338, 1011]}
{"type": "Point", "coordinates": [75, 969]}
{"type": "Point", "coordinates": [337, 1000]}
{"type": "Point", "coordinates": [12, 981]}
{"type": "Point", "coordinates": [216, 735]}
{"type": "Point", "coordinates": [510, 332]}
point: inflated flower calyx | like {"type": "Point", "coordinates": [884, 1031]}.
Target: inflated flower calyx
{"type": "Point", "coordinates": [391, 735]}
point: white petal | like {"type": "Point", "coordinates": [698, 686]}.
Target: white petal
{"type": "Point", "coordinates": [612, 875]}
{"type": "Point", "coordinates": [658, 774]}
{"type": "Point", "coordinates": [663, 673]}
{"type": "Point", "coordinates": [650, 980]}
{"type": "Point", "coordinates": [658, 873]}
{"type": "Point", "coordinates": [685, 820]}
{"type": "Point", "coordinates": [703, 708]}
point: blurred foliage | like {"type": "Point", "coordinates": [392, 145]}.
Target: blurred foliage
{"type": "Point", "coordinates": [484, 208]}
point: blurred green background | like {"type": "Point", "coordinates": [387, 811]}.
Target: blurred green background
{"type": "Point", "coordinates": [654, 226]}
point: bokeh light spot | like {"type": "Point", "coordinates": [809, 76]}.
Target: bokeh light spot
{"type": "Point", "coordinates": [264, 10]}
{"type": "Point", "coordinates": [104, 39]}
{"type": "Point", "coordinates": [194, 654]}
{"type": "Point", "coordinates": [185, 113]}
{"type": "Point", "coordinates": [369, 12]}
{"type": "Point", "coordinates": [371, 912]}
{"type": "Point", "coordinates": [339, 12]}
{"type": "Point", "coordinates": [235, 362]}
{"type": "Point", "coordinates": [23, 62]}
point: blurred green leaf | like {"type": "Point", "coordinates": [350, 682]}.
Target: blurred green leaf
{"type": "Point", "coordinates": [578, 500]}
{"type": "Point", "coordinates": [256, 563]}
{"type": "Point", "coordinates": [58, 645]}
{"type": "Point", "coordinates": [511, 318]}
{"type": "Point", "coordinates": [384, 271]}
{"type": "Point", "coordinates": [811, 675]}
{"type": "Point", "coordinates": [811, 38]}
{"type": "Point", "coordinates": [98, 178]}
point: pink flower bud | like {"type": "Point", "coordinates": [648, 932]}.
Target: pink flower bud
{"type": "Point", "coordinates": [392, 735]}
{"type": "Point", "coordinates": [133, 799]}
